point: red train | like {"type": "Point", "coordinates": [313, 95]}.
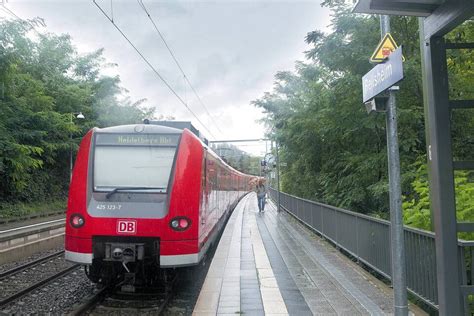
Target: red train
{"type": "Point", "coordinates": [145, 199]}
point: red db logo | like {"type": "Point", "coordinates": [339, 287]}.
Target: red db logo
{"type": "Point", "coordinates": [126, 227]}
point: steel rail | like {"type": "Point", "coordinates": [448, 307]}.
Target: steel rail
{"type": "Point", "coordinates": [93, 302]}
{"type": "Point", "coordinates": [29, 264]}
{"type": "Point", "coordinates": [38, 284]}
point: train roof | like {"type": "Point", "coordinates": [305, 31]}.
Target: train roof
{"type": "Point", "coordinates": [140, 128]}
{"type": "Point", "coordinates": [179, 125]}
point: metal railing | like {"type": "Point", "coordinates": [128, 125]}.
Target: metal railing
{"type": "Point", "coordinates": [367, 239]}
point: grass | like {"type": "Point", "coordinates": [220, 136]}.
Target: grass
{"type": "Point", "coordinates": [15, 210]}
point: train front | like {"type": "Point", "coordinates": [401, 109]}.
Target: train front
{"type": "Point", "coordinates": [123, 218]}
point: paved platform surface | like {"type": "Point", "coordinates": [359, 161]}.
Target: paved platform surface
{"type": "Point", "coordinates": [269, 264]}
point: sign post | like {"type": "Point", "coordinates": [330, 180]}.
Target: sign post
{"type": "Point", "coordinates": [396, 217]}
{"type": "Point", "coordinates": [380, 79]}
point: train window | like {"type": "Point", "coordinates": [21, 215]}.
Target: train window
{"type": "Point", "coordinates": [145, 168]}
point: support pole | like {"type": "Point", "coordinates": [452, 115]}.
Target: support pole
{"type": "Point", "coordinates": [396, 218]}
{"type": "Point", "coordinates": [441, 174]}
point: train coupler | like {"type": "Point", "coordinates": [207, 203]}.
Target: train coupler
{"type": "Point", "coordinates": [128, 284]}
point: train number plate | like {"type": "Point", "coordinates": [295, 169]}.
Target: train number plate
{"type": "Point", "coordinates": [126, 227]}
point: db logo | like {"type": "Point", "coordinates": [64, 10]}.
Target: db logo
{"type": "Point", "coordinates": [126, 227]}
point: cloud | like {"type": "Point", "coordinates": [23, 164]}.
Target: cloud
{"type": "Point", "coordinates": [230, 50]}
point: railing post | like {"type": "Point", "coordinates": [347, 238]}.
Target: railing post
{"type": "Point", "coordinates": [463, 278]}
{"type": "Point", "coordinates": [337, 235]}
{"type": "Point", "coordinates": [322, 222]}
{"type": "Point", "coordinates": [357, 239]}
{"type": "Point", "coordinates": [471, 250]}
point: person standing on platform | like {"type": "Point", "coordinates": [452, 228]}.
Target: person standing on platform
{"type": "Point", "coordinates": [261, 191]}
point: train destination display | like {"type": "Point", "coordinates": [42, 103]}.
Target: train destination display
{"type": "Point", "coordinates": [137, 140]}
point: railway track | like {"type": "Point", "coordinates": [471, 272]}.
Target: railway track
{"type": "Point", "coordinates": [26, 265]}
{"type": "Point", "coordinates": [22, 280]}
{"type": "Point", "coordinates": [108, 301]}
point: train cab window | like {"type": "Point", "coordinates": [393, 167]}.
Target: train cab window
{"type": "Point", "coordinates": [139, 168]}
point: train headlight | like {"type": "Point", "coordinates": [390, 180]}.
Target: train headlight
{"type": "Point", "coordinates": [180, 223]}
{"type": "Point", "coordinates": [76, 220]}
{"type": "Point", "coordinates": [175, 223]}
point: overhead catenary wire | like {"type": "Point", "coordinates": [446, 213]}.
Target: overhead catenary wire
{"type": "Point", "coordinates": [152, 68]}
{"type": "Point", "coordinates": [142, 5]}
{"type": "Point", "coordinates": [7, 10]}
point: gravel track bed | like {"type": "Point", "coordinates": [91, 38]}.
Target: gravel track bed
{"type": "Point", "coordinates": [123, 305]}
{"type": "Point", "coordinates": [186, 293]}
{"type": "Point", "coordinates": [11, 265]}
{"type": "Point", "coordinates": [19, 281]}
{"type": "Point", "coordinates": [55, 298]}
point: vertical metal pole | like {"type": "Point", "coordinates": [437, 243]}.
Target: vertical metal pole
{"type": "Point", "coordinates": [440, 163]}
{"type": "Point", "coordinates": [425, 99]}
{"type": "Point", "coordinates": [396, 218]}
{"type": "Point", "coordinates": [278, 176]}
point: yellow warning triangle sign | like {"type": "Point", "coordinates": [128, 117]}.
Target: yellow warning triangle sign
{"type": "Point", "coordinates": [385, 47]}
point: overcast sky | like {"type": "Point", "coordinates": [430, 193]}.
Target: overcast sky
{"type": "Point", "coordinates": [229, 50]}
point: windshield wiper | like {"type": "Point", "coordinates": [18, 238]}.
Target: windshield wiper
{"type": "Point", "coordinates": [131, 189]}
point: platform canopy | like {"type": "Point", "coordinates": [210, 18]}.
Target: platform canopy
{"type": "Point", "coordinates": [398, 7]}
{"type": "Point", "coordinates": [441, 15]}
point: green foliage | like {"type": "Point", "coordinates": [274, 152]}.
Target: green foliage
{"type": "Point", "coordinates": [21, 209]}
{"type": "Point", "coordinates": [460, 64]}
{"type": "Point", "coordinates": [416, 206]}
{"type": "Point", "coordinates": [336, 153]}
{"type": "Point", "coordinates": [238, 159]}
{"type": "Point", "coordinates": [461, 82]}
{"type": "Point", "coordinates": [43, 81]}
{"type": "Point", "coordinates": [464, 186]}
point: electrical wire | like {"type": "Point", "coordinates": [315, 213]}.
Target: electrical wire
{"type": "Point", "coordinates": [142, 5]}
{"type": "Point", "coordinates": [151, 66]}
{"type": "Point", "coordinates": [18, 18]}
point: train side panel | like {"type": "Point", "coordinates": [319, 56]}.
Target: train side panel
{"type": "Point", "coordinates": [184, 201]}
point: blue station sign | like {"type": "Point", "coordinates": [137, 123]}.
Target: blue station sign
{"type": "Point", "coordinates": [383, 76]}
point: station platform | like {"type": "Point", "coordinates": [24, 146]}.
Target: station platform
{"type": "Point", "coordinates": [269, 264]}
{"type": "Point", "coordinates": [16, 223]}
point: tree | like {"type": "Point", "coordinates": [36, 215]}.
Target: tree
{"type": "Point", "coordinates": [335, 152]}
{"type": "Point", "coordinates": [43, 80]}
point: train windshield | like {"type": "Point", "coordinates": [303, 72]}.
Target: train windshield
{"type": "Point", "coordinates": [139, 164]}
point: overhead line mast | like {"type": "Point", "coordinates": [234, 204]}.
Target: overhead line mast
{"type": "Point", "coordinates": [152, 68]}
